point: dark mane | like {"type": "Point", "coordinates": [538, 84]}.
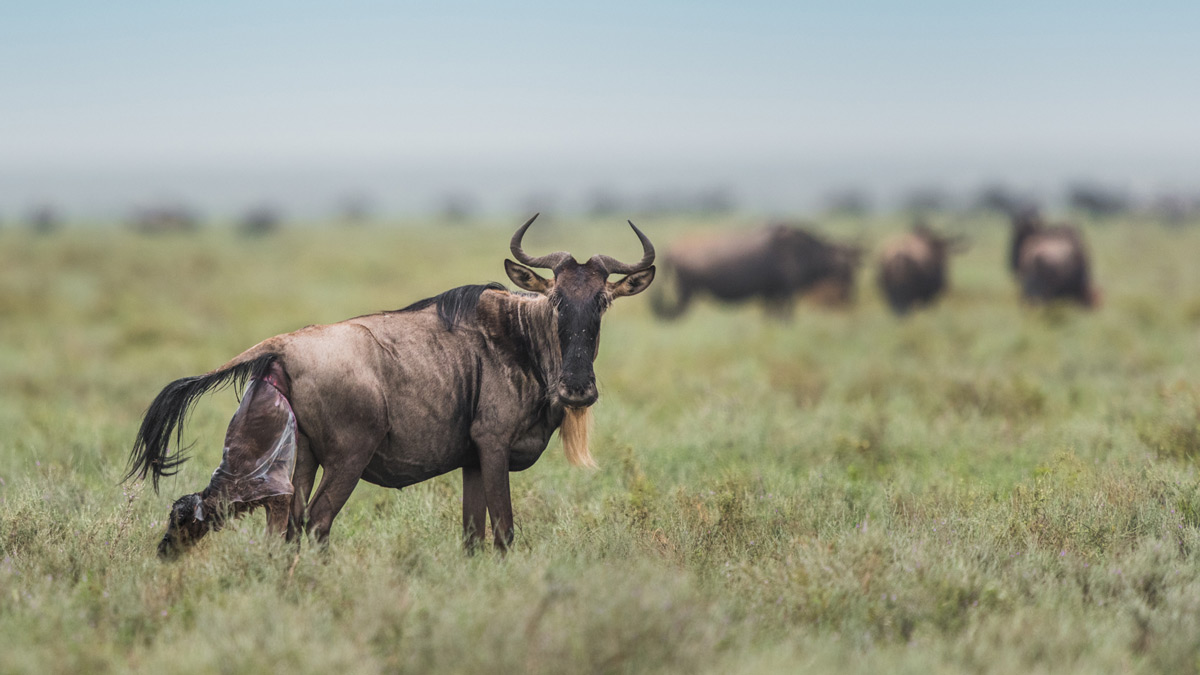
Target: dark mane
{"type": "Point", "coordinates": [456, 305]}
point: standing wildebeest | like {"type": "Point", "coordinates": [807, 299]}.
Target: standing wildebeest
{"type": "Point", "coordinates": [1050, 262]}
{"type": "Point", "coordinates": [774, 263]}
{"type": "Point", "coordinates": [912, 269]}
{"type": "Point", "coordinates": [476, 378]}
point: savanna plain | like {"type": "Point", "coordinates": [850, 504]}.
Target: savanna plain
{"type": "Point", "coordinates": [981, 487]}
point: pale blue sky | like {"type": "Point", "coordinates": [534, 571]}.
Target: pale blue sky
{"type": "Point", "coordinates": [1006, 86]}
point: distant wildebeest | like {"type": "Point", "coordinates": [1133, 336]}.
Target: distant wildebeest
{"type": "Point", "coordinates": [1050, 261]}
{"type": "Point", "coordinates": [260, 221]}
{"type": "Point", "coordinates": [476, 378]}
{"type": "Point", "coordinates": [1097, 200]}
{"type": "Point", "coordinates": [774, 263]}
{"type": "Point", "coordinates": [44, 220]}
{"type": "Point", "coordinates": [164, 219]}
{"type": "Point", "coordinates": [912, 269]}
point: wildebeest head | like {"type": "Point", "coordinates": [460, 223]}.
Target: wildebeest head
{"type": "Point", "coordinates": [579, 294]}
{"type": "Point", "coordinates": [1025, 223]}
{"type": "Point", "coordinates": [843, 266]}
{"type": "Point", "coordinates": [187, 524]}
{"type": "Point", "coordinates": [805, 260]}
{"type": "Point", "coordinates": [942, 245]}
{"type": "Point", "coordinates": [821, 269]}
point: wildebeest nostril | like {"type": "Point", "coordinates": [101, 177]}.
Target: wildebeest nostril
{"type": "Point", "coordinates": [578, 397]}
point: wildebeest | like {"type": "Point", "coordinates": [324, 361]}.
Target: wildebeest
{"type": "Point", "coordinates": [165, 219]}
{"type": "Point", "coordinates": [1050, 261]}
{"type": "Point", "coordinates": [476, 378]}
{"type": "Point", "coordinates": [775, 263]}
{"type": "Point", "coordinates": [44, 219]}
{"type": "Point", "coordinates": [260, 221]}
{"type": "Point", "coordinates": [912, 269]}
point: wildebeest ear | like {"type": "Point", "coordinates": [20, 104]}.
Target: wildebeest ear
{"type": "Point", "coordinates": [633, 284]}
{"type": "Point", "coordinates": [526, 278]}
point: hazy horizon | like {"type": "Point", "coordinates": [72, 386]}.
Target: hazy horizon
{"type": "Point", "coordinates": [772, 186]}
{"type": "Point", "coordinates": [228, 105]}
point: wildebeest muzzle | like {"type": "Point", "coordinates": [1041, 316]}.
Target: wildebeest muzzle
{"type": "Point", "coordinates": [579, 395]}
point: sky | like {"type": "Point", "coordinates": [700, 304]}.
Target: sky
{"type": "Point", "coordinates": [226, 103]}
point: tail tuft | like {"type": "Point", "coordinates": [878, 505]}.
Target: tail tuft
{"type": "Point", "coordinates": [151, 454]}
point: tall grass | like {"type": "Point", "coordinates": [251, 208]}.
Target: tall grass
{"type": "Point", "coordinates": [980, 487]}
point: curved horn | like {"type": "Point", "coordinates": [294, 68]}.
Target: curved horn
{"type": "Point", "coordinates": [614, 266]}
{"type": "Point", "coordinates": [548, 261]}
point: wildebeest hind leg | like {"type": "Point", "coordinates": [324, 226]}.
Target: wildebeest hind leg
{"type": "Point", "coordinates": [302, 480]}
{"type": "Point", "coordinates": [343, 468]}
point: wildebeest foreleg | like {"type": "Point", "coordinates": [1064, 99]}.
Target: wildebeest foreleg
{"type": "Point", "coordinates": [665, 308]}
{"type": "Point", "coordinates": [781, 308]}
{"type": "Point", "coordinates": [494, 467]}
{"type": "Point", "coordinates": [474, 507]}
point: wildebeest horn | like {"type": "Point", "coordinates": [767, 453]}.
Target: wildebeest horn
{"type": "Point", "coordinates": [548, 261]}
{"type": "Point", "coordinates": [614, 266]}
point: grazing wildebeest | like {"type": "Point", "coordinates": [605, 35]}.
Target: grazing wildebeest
{"type": "Point", "coordinates": [165, 219]}
{"type": "Point", "coordinates": [260, 221]}
{"type": "Point", "coordinates": [476, 378]}
{"type": "Point", "coordinates": [912, 269]}
{"type": "Point", "coordinates": [1050, 261]}
{"type": "Point", "coordinates": [775, 263]}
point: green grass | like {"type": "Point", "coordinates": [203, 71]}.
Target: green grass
{"type": "Point", "coordinates": [979, 488]}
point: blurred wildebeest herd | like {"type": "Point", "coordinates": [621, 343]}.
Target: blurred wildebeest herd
{"type": "Point", "coordinates": [1092, 200]}
{"type": "Point", "coordinates": [782, 262]}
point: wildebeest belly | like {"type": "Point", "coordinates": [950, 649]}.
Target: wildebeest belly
{"type": "Point", "coordinates": [412, 456]}
{"type": "Point", "coordinates": [748, 283]}
{"type": "Point", "coordinates": [405, 462]}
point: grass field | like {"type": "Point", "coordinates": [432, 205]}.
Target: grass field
{"type": "Point", "coordinates": [979, 488]}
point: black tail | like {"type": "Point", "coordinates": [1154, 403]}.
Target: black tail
{"type": "Point", "coordinates": [151, 454]}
